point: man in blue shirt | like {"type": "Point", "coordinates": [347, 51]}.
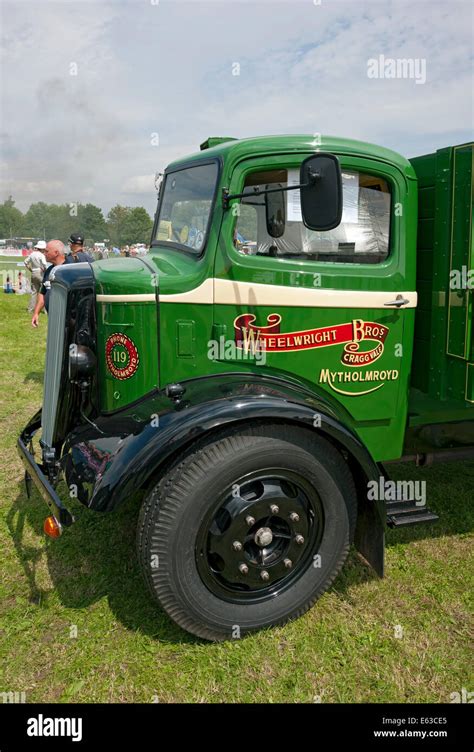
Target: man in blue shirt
{"type": "Point", "coordinates": [55, 253]}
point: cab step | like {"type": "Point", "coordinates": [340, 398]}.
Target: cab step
{"type": "Point", "coordinates": [401, 513]}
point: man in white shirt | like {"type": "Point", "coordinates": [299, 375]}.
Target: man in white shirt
{"type": "Point", "coordinates": [36, 263]}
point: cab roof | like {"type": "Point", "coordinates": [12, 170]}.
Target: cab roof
{"type": "Point", "coordinates": [234, 150]}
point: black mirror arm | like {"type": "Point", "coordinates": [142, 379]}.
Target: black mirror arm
{"type": "Point", "coordinates": [226, 196]}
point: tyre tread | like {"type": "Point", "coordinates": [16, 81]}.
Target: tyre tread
{"type": "Point", "coordinates": [165, 499]}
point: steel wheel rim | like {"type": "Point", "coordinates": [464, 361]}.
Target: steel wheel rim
{"type": "Point", "coordinates": [276, 517]}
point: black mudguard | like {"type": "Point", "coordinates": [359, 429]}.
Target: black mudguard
{"type": "Point", "coordinates": [104, 467]}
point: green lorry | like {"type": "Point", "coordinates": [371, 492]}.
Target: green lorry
{"type": "Point", "coordinates": [302, 320]}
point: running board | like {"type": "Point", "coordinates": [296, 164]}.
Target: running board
{"type": "Point", "coordinates": [401, 513]}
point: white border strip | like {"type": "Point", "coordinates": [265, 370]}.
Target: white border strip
{"type": "Point", "coordinates": [253, 293]}
{"type": "Point", "coordinates": [204, 293]}
{"type": "Point", "coordinates": [138, 298]}
{"type": "Point", "coordinates": [232, 292]}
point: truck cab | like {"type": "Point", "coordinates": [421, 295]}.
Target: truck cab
{"type": "Point", "coordinates": [303, 318]}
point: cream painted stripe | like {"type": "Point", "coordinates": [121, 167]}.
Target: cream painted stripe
{"type": "Point", "coordinates": [232, 292]}
{"type": "Point", "coordinates": [204, 293]}
{"type": "Point", "coordinates": [253, 293]}
{"type": "Point", "coordinates": [138, 298]}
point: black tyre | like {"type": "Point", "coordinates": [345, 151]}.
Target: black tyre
{"type": "Point", "coordinates": [247, 530]}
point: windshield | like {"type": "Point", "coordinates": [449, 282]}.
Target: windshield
{"type": "Point", "coordinates": [185, 207]}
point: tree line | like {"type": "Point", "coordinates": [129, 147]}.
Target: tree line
{"type": "Point", "coordinates": [123, 225]}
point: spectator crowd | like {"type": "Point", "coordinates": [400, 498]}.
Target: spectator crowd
{"type": "Point", "coordinates": [44, 257]}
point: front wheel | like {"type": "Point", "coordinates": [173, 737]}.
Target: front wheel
{"type": "Point", "coordinates": [248, 530]}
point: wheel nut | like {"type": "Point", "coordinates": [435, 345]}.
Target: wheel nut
{"type": "Point", "coordinates": [250, 520]}
{"type": "Point", "coordinates": [274, 509]}
{"type": "Point", "coordinates": [294, 517]}
{"type": "Point", "coordinates": [237, 546]}
{"type": "Point", "coordinates": [299, 539]}
{"type": "Point", "coordinates": [288, 563]}
{"type": "Point", "coordinates": [243, 569]}
{"type": "Point", "coordinates": [264, 575]}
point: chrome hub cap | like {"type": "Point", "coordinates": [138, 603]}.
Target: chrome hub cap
{"type": "Point", "coordinates": [263, 537]}
{"type": "Point", "coordinates": [257, 542]}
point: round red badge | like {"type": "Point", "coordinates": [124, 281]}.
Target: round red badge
{"type": "Point", "coordinates": [121, 356]}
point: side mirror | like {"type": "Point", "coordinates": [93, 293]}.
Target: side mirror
{"type": "Point", "coordinates": [275, 212]}
{"type": "Point", "coordinates": [321, 192]}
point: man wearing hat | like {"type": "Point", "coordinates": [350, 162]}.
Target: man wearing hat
{"type": "Point", "coordinates": [36, 264]}
{"type": "Point", "coordinates": [76, 244]}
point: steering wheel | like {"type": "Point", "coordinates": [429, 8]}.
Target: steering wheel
{"type": "Point", "coordinates": [176, 234]}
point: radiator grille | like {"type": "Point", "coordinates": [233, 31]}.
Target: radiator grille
{"type": "Point", "coordinates": [54, 360]}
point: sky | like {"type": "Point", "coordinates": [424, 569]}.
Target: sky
{"type": "Point", "coordinates": [96, 97]}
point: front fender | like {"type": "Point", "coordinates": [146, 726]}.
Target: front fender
{"type": "Point", "coordinates": [128, 450]}
{"type": "Point", "coordinates": [110, 464]}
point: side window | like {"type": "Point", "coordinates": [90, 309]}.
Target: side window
{"type": "Point", "coordinates": [362, 237]}
{"type": "Point", "coordinates": [246, 229]}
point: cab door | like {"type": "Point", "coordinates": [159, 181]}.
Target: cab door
{"type": "Point", "coordinates": [335, 309]}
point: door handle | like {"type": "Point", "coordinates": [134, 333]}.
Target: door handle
{"type": "Point", "coordinates": [399, 301]}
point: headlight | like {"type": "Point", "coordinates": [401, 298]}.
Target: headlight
{"type": "Point", "coordinates": [82, 362]}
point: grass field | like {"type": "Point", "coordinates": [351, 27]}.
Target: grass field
{"type": "Point", "coordinates": [12, 263]}
{"type": "Point", "coordinates": [10, 259]}
{"type": "Point", "coordinates": [346, 649]}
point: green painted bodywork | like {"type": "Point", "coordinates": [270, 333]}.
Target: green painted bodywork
{"type": "Point", "coordinates": [138, 321]}
{"type": "Point", "coordinates": [444, 344]}
{"type": "Point", "coordinates": [172, 337]}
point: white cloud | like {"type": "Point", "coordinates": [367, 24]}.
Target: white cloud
{"type": "Point", "coordinates": [167, 69]}
{"type": "Point", "coordinates": [139, 184]}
